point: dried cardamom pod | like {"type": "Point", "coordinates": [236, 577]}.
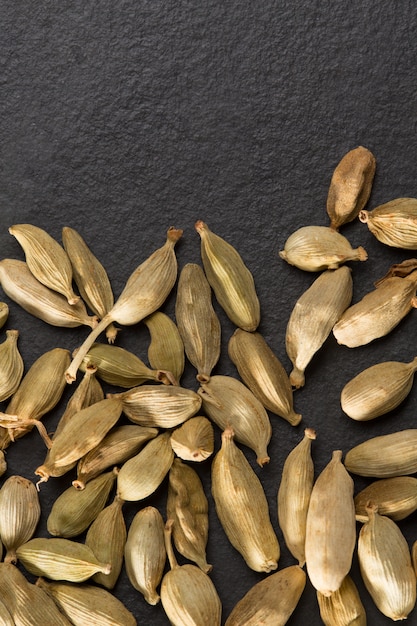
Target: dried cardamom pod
{"type": "Point", "coordinates": [187, 506]}
{"type": "Point", "coordinates": [294, 495]}
{"type": "Point", "coordinates": [271, 601]}
{"type": "Point", "coordinates": [46, 259]}
{"type": "Point", "coordinates": [145, 553]}
{"type": "Point", "coordinates": [166, 349]}
{"type": "Point", "coordinates": [378, 312]}
{"type": "Point", "coordinates": [197, 321]}
{"type": "Point", "coordinates": [313, 317]}
{"type": "Point", "coordinates": [187, 593]}
{"type": "Point", "coordinates": [385, 564]}
{"type": "Point", "coordinates": [4, 313]}
{"type": "Point", "coordinates": [315, 248]}
{"type": "Point", "coordinates": [350, 186]}
{"type": "Point", "coordinates": [242, 507]}
{"type": "Point", "coordinates": [145, 291]}
{"type": "Point", "coordinates": [60, 559]}
{"type": "Point", "coordinates": [142, 474]}
{"type": "Point", "coordinates": [11, 365]}
{"type": "Point", "coordinates": [20, 511]}
{"type": "Point", "coordinates": [230, 279]}
{"type": "Point", "coordinates": [378, 389]}
{"type": "Point", "coordinates": [194, 440]}
{"type": "Point", "coordinates": [385, 456]}
{"type": "Point", "coordinates": [343, 607]}
{"type": "Point", "coordinates": [228, 402]}
{"type": "Point", "coordinates": [395, 497]}
{"type": "Point", "coordinates": [394, 223]}
{"type": "Point", "coordinates": [263, 373]}
{"type": "Point", "coordinates": [331, 527]}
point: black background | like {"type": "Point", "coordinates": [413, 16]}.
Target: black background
{"type": "Point", "coordinates": [120, 119]}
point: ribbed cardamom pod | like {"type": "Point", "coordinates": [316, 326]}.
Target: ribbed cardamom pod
{"type": "Point", "coordinates": [4, 313]}
{"type": "Point", "coordinates": [263, 373]}
{"type": "Point", "coordinates": [194, 440]}
{"type": "Point", "coordinates": [378, 313]}
{"type": "Point", "coordinates": [60, 559]}
{"type": "Point", "coordinates": [343, 607]}
{"type": "Point", "coordinates": [187, 506]}
{"type": "Point", "coordinates": [5, 616]}
{"type": "Point", "coordinates": [88, 604]}
{"type": "Point", "coordinates": [230, 279]}
{"type": "Point", "coordinates": [315, 248]}
{"type": "Point", "coordinates": [145, 553]}
{"type": "Point", "coordinates": [385, 564]}
{"type": "Point", "coordinates": [350, 186]}
{"type": "Point", "coordinates": [20, 511]}
{"type": "Point", "coordinates": [271, 601]}
{"type": "Point", "coordinates": [90, 276]}
{"type": "Point", "coordinates": [187, 593]}
{"type": "Point", "coordinates": [119, 445]}
{"type": "Point", "coordinates": [142, 474]}
{"type": "Point", "coordinates": [158, 405]}
{"type": "Point", "coordinates": [242, 507]}
{"type": "Point", "coordinates": [331, 527]}
{"type": "Point", "coordinates": [107, 537]}
{"type": "Point", "coordinates": [378, 389]}
{"type": "Point", "coordinates": [22, 287]}
{"type": "Point", "coordinates": [197, 321]}
{"type": "Point", "coordinates": [395, 497]}
{"type": "Point", "coordinates": [3, 464]}
{"type": "Point", "coordinates": [145, 291]}
{"type": "Point", "coordinates": [166, 349]}
{"type": "Point", "coordinates": [294, 495]}
{"type": "Point", "coordinates": [46, 259]}
{"type": "Point", "coordinates": [11, 365]}
{"type": "Point", "coordinates": [228, 402]}
{"type": "Point", "coordinates": [313, 317]}
{"type": "Point", "coordinates": [394, 223]}
{"type": "Point", "coordinates": [73, 511]}
{"type": "Point", "coordinates": [385, 456]}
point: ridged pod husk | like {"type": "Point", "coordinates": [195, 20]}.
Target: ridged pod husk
{"type": "Point", "coordinates": [60, 559]}
{"type": "Point", "coordinates": [394, 223]}
{"type": "Point", "coordinates": [271, 601]}
{"type": "Point", "coordinates": [230, 279]}
{"type": "Point", "coordinates": [331, 527]}
{"type": "Point", "coordinates": [22, 287]}
{"type": "Point", "coordinates": [395, 497]}
{"type": "Point", "coordinates": [187, 594]}
{"type": "Point", "coordinates": [313, 317]}
{"type": "Point", "coordinates": [119, 445]}
{"type": "Point", "coordinates": [141, 475]}
{"type": "Point", "coordinates": [242, 507]}
{"type": "Point", "coordinates": [187, 506]}
{"type": "Point", "coordinates": [228, 402]}
{"type": "Point", "coordinates": [88, 604]}
{"type": "Point", "coordinates": [197, 320]}
{"type": "Point", "coordinates": [107, 537]}
{"type": "Point", "coordinates": [378, 389]}
{"type": "Point", "coordinates": [350, 186]}
{"type": "Point", "coordinates": [145, 291]}
{"type": "Point", "coordinates": [344, 607]}
{"type": "Point", "coordinates": [316, 248]}
{"type": "Point", "coordinates": [4, 313]}
{"type": "Point", "coordinates": [294, 495]}
{"type": "Point", "coordinates": [263, 373]}
{"type": "Point", "coordinates": [385, 456]}
{"type": "Point", "coordinates": [159, 405]}
{"type": "Point", "coordinates": [385, 564]}
{"type": "Point", "coordinates": [11, 365]}
{"type": "Point", "coordinates": [166, 349]}
{"type": "Point", "coordinates": [145, 553]}
{"type": "Point", "coordinates": [46, 259]}
{"type": "Point", "coordinates": [379, 311]}
{"type": "Point", "coordinates": [194, 440]}
{"type": "Point", "coordinates": [73, 511]}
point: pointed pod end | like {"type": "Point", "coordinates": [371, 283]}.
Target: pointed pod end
{"type": "Point", "coordinates": [363, 216]}
{"type": "Point", "coordinates": [174, 234]}
{"type": "Point", "coordinates": [362, 253]}
{"type": "Point", "coordinates": [201, 227]}
{"type": "Point", "coordinates": [262, 460]}
{"type": "Point", "coordinates": [310, 433]}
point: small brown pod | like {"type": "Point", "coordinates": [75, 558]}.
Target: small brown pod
{"type": "Point", "coordinates": [394, 223]}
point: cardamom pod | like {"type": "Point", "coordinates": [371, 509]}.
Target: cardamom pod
{"type": "Point", "coordinates": [395, 497]}
{"type": "Point", "coordinates": [166, 349]}
{"type": "Point", "coordinates": [11, 365]}
{"type": "Point", "coordinates": [385, 456]}
{"type": "Point", "coordinates": [194, 440]}
{"type": "Point", "coordinates": [394, 223]}
{"type": "Point", "coordinates": [343, 607]}
{"type": "Point", "coordinates": [4, 313]}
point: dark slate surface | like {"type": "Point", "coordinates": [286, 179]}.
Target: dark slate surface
{"type": "Point", "coordinates": [120, 119]}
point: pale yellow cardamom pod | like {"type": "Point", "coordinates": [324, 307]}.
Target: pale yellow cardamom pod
{"type": "Point", "coordinates": [11, 365]}
{"type": "Point", "coordinates": [394, 223]}
{"type": "Point", "coordinates": [344, 607]}
{"type": "Point", "coordinates": [385, 456]}
{"type": "Point", "coordinates": [4, 313]}
{"type": "Point", "coordinates": [166, 349]}
{"type": "Point", "coordinates": [395, 497]}
{"type": "Point", "coordinates": [194, 440]}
